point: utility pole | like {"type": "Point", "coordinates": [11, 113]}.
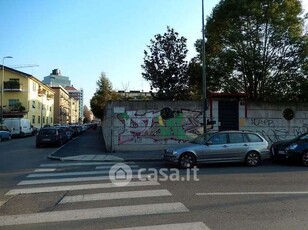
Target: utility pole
{"type": "Point", "coordinates": [204, 99]}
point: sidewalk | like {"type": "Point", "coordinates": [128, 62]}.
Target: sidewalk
{"type": "Point", "coordinates": [90, 147]}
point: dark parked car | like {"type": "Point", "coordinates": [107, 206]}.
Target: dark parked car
{"type": "Point", "coordinates": [223, 146]}
{"type": "Point", "coordinates": [294, 149]}
{"type": "Point", "coordinates": [5, 133]}
{"type": "Point", "coordinates": [77, 129]}
{"type": "Point", "coordinates": [50, 136]}
{"type": "Point", "coordinates": [68, 132]}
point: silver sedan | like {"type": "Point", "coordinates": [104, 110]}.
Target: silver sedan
{"type": "Point", "coordinates": [223, 146]}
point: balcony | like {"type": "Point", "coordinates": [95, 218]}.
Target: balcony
{"type": "Point", "coordinates": [12, 86]}
{"type": "Point", "coordinates": [49, 96]}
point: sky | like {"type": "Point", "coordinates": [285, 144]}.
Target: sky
{"type": "Point", "coordinates": [83, 38]}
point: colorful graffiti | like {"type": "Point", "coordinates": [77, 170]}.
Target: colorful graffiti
{"type": "Point", "coordinates": [164, 126]}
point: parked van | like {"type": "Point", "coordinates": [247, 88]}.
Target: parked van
{"type": "Point", "coordinates": [18, 126]}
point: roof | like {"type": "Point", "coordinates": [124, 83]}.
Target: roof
{"type": "Point", "coordinates": [25, 75]}
{"type": "Point", "coordinates": [70, 88]}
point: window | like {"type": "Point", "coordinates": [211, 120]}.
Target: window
{"type": "Point", "coordinates": [236, 138]}
{"type": "Point", "coordinates": [219, 139]}
{"type": "Point", "coordinates": [51, 120]}
{"type": "Point", "coordinates": [34, 86]}
{"type": "Point", "coordinates": [33, 104]}
{"type": "Point", "coordinates": [39, 119]}
{"type": "Point", "coordinates": [48, 131]}
{"type": "Point", "coordinates": [33, 119]}
{"type": "Point", "coordinates": [254, 138]}
{"type": "Point", "coordinates": [13, 102]}
{"type": "Point", "coordinates": [43, 120]}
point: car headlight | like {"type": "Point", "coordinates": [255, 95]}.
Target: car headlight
{"type": "Point", "coordinates": [171, 151]}
{"type": "Point", "coordinates": [293, 146]}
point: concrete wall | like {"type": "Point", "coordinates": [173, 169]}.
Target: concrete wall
{"type": "Point", "coordinates": [142, 125]}
{"type": "Point", "coordinates": [268, 120]}
{"type": "Point", "coordinates": [153, 125]}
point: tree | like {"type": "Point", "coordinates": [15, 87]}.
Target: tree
{"type": "Point", "coordinates": [87, 114]}
{"type": "Point", "coordinates": [103, 94]}
{"type": "Point", "coordinates": [165, 66]}
{"type": "Point", "coordinates": [257, 47]}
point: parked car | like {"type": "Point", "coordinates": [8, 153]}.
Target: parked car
{"type": "Point", "coordinates": [50, 136]}
{"type": "Point", "coordinates": [77, 130]}
{"type": "Point", "coordinates": [5, 133]}
{"type": "Point", "coordinates": [68, 132]}
{"type": "Point", "coordinates": [223, 146]}
{"type": "Point", "coordinates": [294, 149]}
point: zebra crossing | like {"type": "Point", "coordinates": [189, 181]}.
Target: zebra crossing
{"type": "Point", "coordinates": [82, 177]}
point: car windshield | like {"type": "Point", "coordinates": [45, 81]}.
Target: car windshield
{"type": "Point", "coordinates": [202, 138]}
{"type": "Point", "coordinates": [303, 137]}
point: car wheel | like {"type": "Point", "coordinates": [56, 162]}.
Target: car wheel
{"type": "Point", "coordinates": [0, 139]}
{"type": "Point", "coordinates": [305, 158]}
{"type": "Point", "coordinates": [187, 160]}
{"type": "Point", "coordinates": [253, 159]}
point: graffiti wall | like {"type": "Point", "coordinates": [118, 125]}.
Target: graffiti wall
{"type": "Point", "coordinates": [152, 125]}
{"type": "Point", "coordinates": [272, 122]}
{"type": "Point", "coordinates": [165, 126]}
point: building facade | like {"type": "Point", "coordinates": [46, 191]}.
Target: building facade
{"type": "Point", "coordinates": [78, 96]}
{"type": "Point", "coordinates": [24, 96]}
{"type": "Point", "coordinates": [56, 79]}
{"type": "Point", "coordinates": [66, 109]}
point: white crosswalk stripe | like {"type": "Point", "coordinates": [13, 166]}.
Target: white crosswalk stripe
{"type": "Point", "coordinates": [68, 173]}
{"type": "Point", "coordinates": [78, 187]}
{"type": "Point", "coordinates": [76, 164]}
{"type": "Point", "coordinates": [180, 226]}
{"type": "Point", "coordinates": [44, 170]}
{"type": "Point", "coordinates": [60, 174]}
{"type": "Point", "coordinates": [115, 195]}
{"type": "Point", "coordinates": [94, 213]}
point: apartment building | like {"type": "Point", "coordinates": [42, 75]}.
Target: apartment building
{"type": "Point", "coordinates": [25, 96]}
{"type": "Point", "coordinates": [66, 109]}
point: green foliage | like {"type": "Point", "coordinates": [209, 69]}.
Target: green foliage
{"type": "Point", "coordinates": [102, 96]}
{"type": "Point", "coordinates": [257, 47]}
{"type": "Point", "coordinates": [165, 66]}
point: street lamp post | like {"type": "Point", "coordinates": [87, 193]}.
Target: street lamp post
{"type": "Point", "coordinates": [204, 99]}
{"type": "Point", "coordinates": [2, 87]}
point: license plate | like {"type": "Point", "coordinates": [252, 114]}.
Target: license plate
{"type": "Point", "coordinates": [46, 139]}
{"type": "Point", "coordinates": [281, 152]}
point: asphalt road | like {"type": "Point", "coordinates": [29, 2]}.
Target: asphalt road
{"type": "Point", "coordinates": [38, 193]}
